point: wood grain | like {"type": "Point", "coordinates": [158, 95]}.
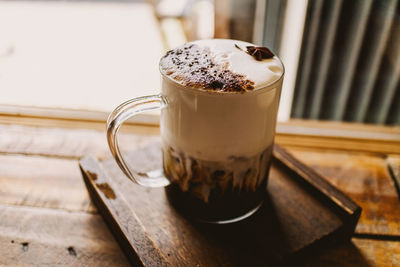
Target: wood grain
{"type": "Point", "coordinates": [38, 168]}
{"type": "Point", "coordinates": [351, 128]}
{"type": "Point", "coordinates": [49, 234]}
{"type": "Point", "coordinates": [66, 142]}
{"type": "Point", "coordinates": [393, 162]}
{"type": "Point", "coordinates": [358, 252]}
{"type": "Point", "coordinates": [76, 123]}
{"type": "Point", "coordinates": [38, 236]}
{"type": "Point", "coordinates": [366, 179]}
{"type": "Point", "coordinates": [64, 117]}
{"type": "Point", "coordinates": [43, 182]}
{"type": "Point", "coordinates": [344, 136]}
{"type": "Point", "coordinates": [296, 217]}
{"type": "Point", "coordinates": [301, 134]}
{"type": "Point", "coordinates": [141, 251]}
{"type": "Point", "coordinates": [340, 200]}
{"type": "Point", "coordinates": [338, 144]}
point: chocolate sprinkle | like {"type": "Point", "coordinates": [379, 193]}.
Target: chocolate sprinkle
{"type": "Point", "coordinates": [72, 251]}
{"type": "Point", "coordinates": [25, 246]}
{"type": "Point", "coordinates": [194, 66]}
{"type": "Point", "coordinates": [259, 52]}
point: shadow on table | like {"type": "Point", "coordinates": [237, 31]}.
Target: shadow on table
{"type": "Point", "coordinates": [346, 254]}
{"type": "Point", "coordinates": [245, 241]}
{"type": "Point", "coordinates": [252, 245]}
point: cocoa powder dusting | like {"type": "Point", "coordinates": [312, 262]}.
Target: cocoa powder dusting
{"type": "Point", "coordinates": [193, 66]}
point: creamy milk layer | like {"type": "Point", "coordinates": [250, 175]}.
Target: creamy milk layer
{"type": "Point", "coordinates": [217, 124]}
{"type": "Point", "coordinates": [220, 65]}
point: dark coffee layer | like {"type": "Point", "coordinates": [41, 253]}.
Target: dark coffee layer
{"type": "Point", "coordinates": [193, 66]}
{"type": "Point", "coordinates": [222, 205]}
{"type": "Point", "coordinates": [216, 190]}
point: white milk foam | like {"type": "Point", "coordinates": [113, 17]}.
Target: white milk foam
{"type": "Point", "coordinates": [220, 65]}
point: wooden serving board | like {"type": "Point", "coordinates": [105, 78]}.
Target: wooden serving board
{"type": "Point", "coordinates": [302, 212]}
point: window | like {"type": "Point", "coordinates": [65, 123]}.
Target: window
{"type": "Point", "coordinates": [79, 55]}
{"type": "Point", "coordinates": [342, 58]}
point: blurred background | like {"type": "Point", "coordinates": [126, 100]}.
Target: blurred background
{"type": "Point", "coordinates": [83, 58]}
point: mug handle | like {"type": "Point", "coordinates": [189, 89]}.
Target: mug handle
{"type": "Point", "coordinates": [123, 112]}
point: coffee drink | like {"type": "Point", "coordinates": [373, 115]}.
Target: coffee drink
{"type": "Point", "coordinates": [218, 128]}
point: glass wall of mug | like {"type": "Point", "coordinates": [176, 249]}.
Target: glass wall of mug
{"type": "Point", "coordinates": [217, 149]}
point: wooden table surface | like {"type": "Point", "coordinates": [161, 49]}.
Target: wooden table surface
{"type": "Point", "coordinates": [47, 217]}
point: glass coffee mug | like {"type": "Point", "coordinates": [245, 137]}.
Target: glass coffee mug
{"type": "Point", "coordinates": [216, 147]}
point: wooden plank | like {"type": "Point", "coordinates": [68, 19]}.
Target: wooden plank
{"type": "Point", "coordinates": [358, 252]}
{"type": "Point", "coordinates": [45, 237]}
{"type": "Point", "coordinates": [310, 176]}
{"type": "Point", "coordinates": [66, 142]}
{"type": "Point", "coordinates": [366, 179]}
{"type": "Point", "coordinates": [26, 114]}
{"type": "Point", "coordinates": [339, 144]}
{"type": "Point", "coordinates": [350, 129]}
{"type": "Point", "coordinates": [32, 236]}
{"type": "Point", "coordinates": [74, 143]}
{"type": "Point", "coordinates": [393, 162]}
{"type": "Point", "coordinates": [339, 136]}
{"type": "Point", "coordinates": [75, 123]}
{"type": "Point", "coordinates": [70, 134]}
{"type": "Point", "coordinates": [295, 217]}
{"type": "Point", "coordinates": [140, 249]}
{"type": "Point", "coordinates": [43, 182]}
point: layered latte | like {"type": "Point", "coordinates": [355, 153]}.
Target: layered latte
{"type": "Point", "coordinates": [219, 125]}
